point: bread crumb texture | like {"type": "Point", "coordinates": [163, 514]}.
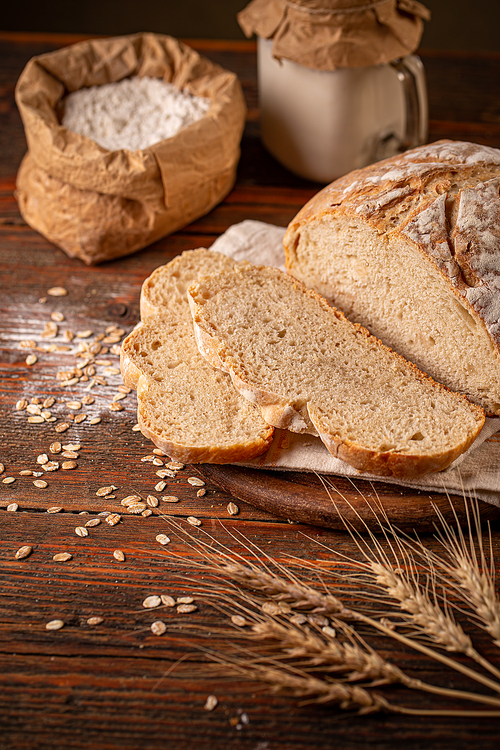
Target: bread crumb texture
{"type": "Point", "coordinates": [311, 370]}
{"type": "Point", "coordinates": [410, 248]}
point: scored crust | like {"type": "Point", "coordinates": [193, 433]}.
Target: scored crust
{"type": "Point", "coordinates": [437, 209]}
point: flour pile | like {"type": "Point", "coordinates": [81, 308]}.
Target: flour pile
{"type": "Point", "coordinates": [132, 114]}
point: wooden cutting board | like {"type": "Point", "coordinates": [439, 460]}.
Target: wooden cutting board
{"type": "Point", "coordinates": [304, 498]}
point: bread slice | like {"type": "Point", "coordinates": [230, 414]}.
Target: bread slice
{"type": "Point", "coordinates": [410, 248]}
{"type": "Point", "coordinates": [311, 370]}
{"type": "Point", "coordinates": [186, 407]}
{"type": "Point", "coordinates": [166, 287]}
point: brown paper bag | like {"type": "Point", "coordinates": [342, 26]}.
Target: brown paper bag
{"type": "Point", "coordinates": [97, 204]}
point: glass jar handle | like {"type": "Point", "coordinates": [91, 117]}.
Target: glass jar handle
{"type": "Point", "coordinates": [412, 77]}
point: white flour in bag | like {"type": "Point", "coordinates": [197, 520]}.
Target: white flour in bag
{"type": "Point", "coordinates": [132, 114]}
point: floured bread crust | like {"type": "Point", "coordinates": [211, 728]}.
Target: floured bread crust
{"type": "Point", "coordinates": [435, 209]}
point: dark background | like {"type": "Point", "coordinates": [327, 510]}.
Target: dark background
{"type": "Point", "coordinates": [469, 25]}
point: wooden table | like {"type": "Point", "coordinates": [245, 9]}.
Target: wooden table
{"type": "Point", "coordinates": [116, 684]}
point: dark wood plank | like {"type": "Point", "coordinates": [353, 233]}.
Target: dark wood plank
{"type": "Point", "coordinates": [335, 501]}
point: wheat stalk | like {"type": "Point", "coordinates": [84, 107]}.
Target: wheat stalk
{"type": "Point", "coordinates": [416, 606]}
{"type": "Point", "coordinates": [468, 568]}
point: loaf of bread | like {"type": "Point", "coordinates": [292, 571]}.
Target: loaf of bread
{"type": "Point", "coordinates": [311, 370]}
{"type": "Point", "coordinates": [186, 407]}
{"type": "Point", "coordinates": [410, 248]}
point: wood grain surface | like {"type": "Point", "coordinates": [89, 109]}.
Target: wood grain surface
{"type": "Point", "coordinates": [116, 685]}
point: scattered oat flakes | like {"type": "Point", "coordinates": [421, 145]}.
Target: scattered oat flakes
{"type": "Point", "coordinates": [75, 405]}
{"type": "Point", "coordinates": [50, 330]}
{"type": "Point", "coordinates": [239, 621]}
{"type": "Point", "coordinates": [116, 406]}
{"type": "Point", "coordinates": [201, 493]}
{"type": "Point", "coordinates": [31, 359]}
{"type": "Point", "coordinates": [80, 418]}
{"type": "Point", "coordinates": [136, 508]}
{"type": "Point", "coordinates": [119, 396]}
{"type": "Point", "coordinates": [184, 600]}
{"type": "Point", "coordinates": [196, 481]}
{"type": "Point", "coordinates": [36, 419]}
{"type": "Point", "coordinates": [170, 499]}
{"type": "Point", "coordinates": [62, 427]}
{"type": "Point", "coordinates": [51, 466]}
{"type": "Point", "coordinates": [233, 509]}
{"type": "Point", "coordinates": [37, 473]}
{"type": "Point", "coordinates": [151, 601]}
{"type": "Point", "coordinates": [69, 465]}
{"type": "Point", "coordinates": [164, 473]}
{"type": "Point", "coordinates": [42, 458]}
{"type": "Point", "coordinates": [84, 334]}
{"type": "Point", "coordinates": [211, 703]}
{"type": "Point", "coordinates": [54, 509]}
{"type": "Point", "coordinates": [271, 608]}
{"type": "Point", "coordinates": [23, 552]}
{"type": "Point", "coordinates": [184, 609]}
{"type": "Point", "coordinates": [8, 480]}
{"type": "Point", "coordinates": [71, 447]}
{"type": "Point", "coordinates": [95, 420]}
{"type": "Point", "coordinates": [96, 620]}
{"type": "Point", "coordinates": [157, 451]}
{"type": "Point", "coordinates": [160, 486]}
{"type": "Point", "coordinates": [146, 513]}
{"type": "Point", "coordinates": [62, 557]}
{"type": "Point", "coordinates": [2, 468]}
{"type": "Point", "coordinates": [157, 462]}
{"type": "Point", "coordinates": [57, 291]}
{"type": "Point", "coordinates": [193, 521]}
{"type": "Point", "coordinates": [40, 483]}
{"type": "Point", "coordinates": [21, 404]}
{"type": "Point", "coordinates": [103, 491]}
{"type": "Point", "coordinates": [25, 473]}
{"type": "Point", "coordinates": [162, 539]}
{"type": "Point", "coordinates": [33, 409]}
{"type": "Point", "coordinates": [12, 507]}
{"type": "Point", "coordinates": [81, 531]}
{"type": "Point", "coordinates": [158, 627]}
{"type": "Point", "coordinates": [167, 601]}
{"type": "Point", "coordinates": [152, 501]}
{"type": "Point", "coordinates": [136, 428]}
{"type": "Point", "coordinates": [87, 400]}
{"type": "Point", "coordinates": [93, 522]}
{"type": "Point", "coordinates": [57, 316]}
{"type": "Point", "coordinates": [70, 454]}
{"type": "Point", "coordinates": [119, 555]}
{"type": "Point", "coordinates": [113, 519]}
{"type": "Point", "coordinates": [131, 500]}
{"type": "Point", "coordinates": [27, 344]}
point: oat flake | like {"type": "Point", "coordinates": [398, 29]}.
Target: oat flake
{"type": "Point", "coordinates": [158, 627]}
{"type": "Point", "coordinates": [162, 539]}
{"type": "Point", "coordinates": [54, 625]}
{"type": "Point", "coordinates": [151, 601]}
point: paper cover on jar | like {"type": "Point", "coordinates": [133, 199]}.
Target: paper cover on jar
{"type": "Point", "coordinates": [331, 34]}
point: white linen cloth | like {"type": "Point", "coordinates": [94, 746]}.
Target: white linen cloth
{"type": "Point", "coordinates": [476, 472]}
